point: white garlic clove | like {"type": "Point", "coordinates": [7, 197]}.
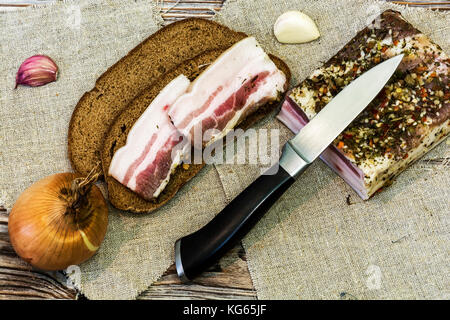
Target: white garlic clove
{"type": "Point", "coordinates": [295, 27]}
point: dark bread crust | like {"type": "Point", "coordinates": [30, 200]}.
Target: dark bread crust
{"type": "Point", "coordinates": [122, 197]}
{"type": "Point", "coordinates": [122, 82]}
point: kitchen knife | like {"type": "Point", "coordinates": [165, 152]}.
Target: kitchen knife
{"type": "Point", "coordinates": [197, 251]}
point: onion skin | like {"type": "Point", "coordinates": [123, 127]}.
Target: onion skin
{"type": "Point", "coordinates": [48, 232]}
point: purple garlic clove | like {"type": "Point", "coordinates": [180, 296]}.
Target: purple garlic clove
{"type": "Point", "coordinates": [36, 71]}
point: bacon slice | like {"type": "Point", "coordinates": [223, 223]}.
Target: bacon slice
{"type": "Point", "coordinates": [407, 119]}
{"type": "Point", "coordinates": [154, 146]}
{"type": "Point", "coordinates": [232, 87]}
{"type": "Point", "coordinates": [236, 84]}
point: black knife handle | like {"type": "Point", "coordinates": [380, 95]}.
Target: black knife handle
{"type": "Point", "coordinates": [197, 251]}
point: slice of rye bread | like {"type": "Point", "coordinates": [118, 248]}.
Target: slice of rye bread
{"type": "Point", "coordinates": [122, 82]}
{"type": "Point", "coordinates": [123, 198]}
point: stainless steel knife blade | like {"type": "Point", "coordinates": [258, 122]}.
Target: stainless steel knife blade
{"type": "Point", "coordinates": [195, 252]}
{"type": "Point", "coordinates": [317, 135]}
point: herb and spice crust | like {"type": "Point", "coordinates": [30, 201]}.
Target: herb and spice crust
{"type": "Point", "coordinates": [408, 117]}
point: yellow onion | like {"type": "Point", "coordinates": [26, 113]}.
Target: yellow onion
{"type": "Point", "coordinates": [58, 221]}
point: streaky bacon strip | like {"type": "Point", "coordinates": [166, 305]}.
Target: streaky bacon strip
{"type": "Point", "coordinates": [153, 149]}
{"type": "Point", "coordinates": [149, 179]}
{"type": "Point", "coordinates": [139, 160]}
{"type": "Point", "coordinates": [225, 112]}
{"type": "Point", "coordinates": [232, 87]}
{"type": "Point", "coordinates": [200, 110]}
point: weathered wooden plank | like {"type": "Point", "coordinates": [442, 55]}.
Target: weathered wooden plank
{"type": "Point", "coordinates": [177, 10]}
{"type": "Point", "coordinates": [196, 292]}
{"type": "Point", "coordinates": [18, 280]}
{"type": "Point", "coordinates": [228, 279]}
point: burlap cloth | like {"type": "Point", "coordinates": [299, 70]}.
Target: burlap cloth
{"type": "Point", "coordinates": [85, 38]}
{"type": "Point", "coordinates": [310, 245]}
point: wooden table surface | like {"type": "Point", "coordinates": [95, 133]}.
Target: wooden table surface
{"type": "Point", "coordinates": [228, 279]}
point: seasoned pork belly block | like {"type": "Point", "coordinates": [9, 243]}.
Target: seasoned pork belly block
{"type": "Point", "coordinates": [154, 146]}
{"type": "Point", "coordinates": [236, 84]}
{"type": "Point", "coordinates": [408, 118]}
